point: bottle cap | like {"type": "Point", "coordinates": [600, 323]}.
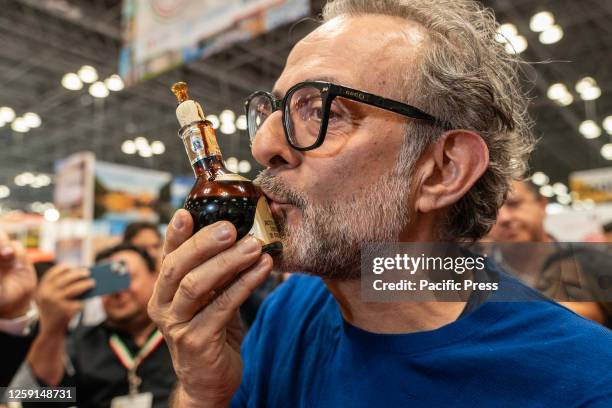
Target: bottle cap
{"type": "Point", "coordinates": [188, 111]}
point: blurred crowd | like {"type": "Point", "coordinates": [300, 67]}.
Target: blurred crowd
{"type": "Point", "coordinates": [53, 334]}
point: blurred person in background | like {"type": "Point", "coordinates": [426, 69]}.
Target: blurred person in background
{"type": "Point", "coordinates": [607, 230]}
{"type": "Point", "coordinates": [17, 310]}
{"type": "Point", "coordinates": [100, 357]}
{"type": "Point", "coordinates": [561, 273]}
{"type": "Point", "coordinates": [145, 235]}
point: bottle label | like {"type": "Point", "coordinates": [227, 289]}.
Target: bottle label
{"type": "Point", "coordinates": [197, 145]}
{"type": "Point", "coordinates": [264, 227]}
{"type": "Point", "coordinates": [202, 142]}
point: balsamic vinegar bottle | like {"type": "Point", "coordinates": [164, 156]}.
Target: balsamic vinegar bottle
{"type": "Point", "coordinates": [219, 194]}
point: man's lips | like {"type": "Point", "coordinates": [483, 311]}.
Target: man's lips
{"type": "Point", "coordinates": [277, 205]}
{"type": "Point", "coordinates": [271, 198]}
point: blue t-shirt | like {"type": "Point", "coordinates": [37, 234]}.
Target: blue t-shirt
{"type": "Point", "coordinates": [301, 353]}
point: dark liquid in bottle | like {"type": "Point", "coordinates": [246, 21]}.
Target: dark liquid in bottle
{"type": "Point", "coordinates": [232, 200]}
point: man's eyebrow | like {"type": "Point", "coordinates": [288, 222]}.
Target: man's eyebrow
{"type": "Point", "coordinates": [323, 78]}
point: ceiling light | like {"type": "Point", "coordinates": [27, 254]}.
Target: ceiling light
{"type": "Point", "coordinates": [516, 45]}
{"type": "Point", "coordinates": [214, 120]}
{"type": "Point", "coordinates": [32, 120]}
{"type": "Point", "coordinates": [114, 83]}
{"type": "Point", "coordinates": [20, 125]}
{"type": "Point", "coordinates": [232, 164]}
{"type": "Point", "coordinates": [227, 116]}
{"type": "Point", "coordinates": [42, 180]}
{"type": "Point", "coordinates": [557, 91]}
{"type": "Point", "coordinates": [584, 84]}
{"type": "Point", "coordinates": [51, 215]}
{"type": "Point", "coordinates": [507, 31]}
{"type": "Point", "coordinates": [27, 177]}
{"type": "Point", "coordinates": [244, 166]}
{"type": "Point", "coordinates": [606, 151]}
{"type": "Point", "coordinates": [128, 147]}
{"type": "Point", "coordinates": [547, 191]}
{"type": "Point", "coordinates": [541, 21]}
{"type": "Point", "coordinates": [559, 188]}
{"type": "Point", "coordinates": [4, 191]}
{"type": "Point", "coordinates": [590, 94]}
{"type": "Point", "coordinates": [607, 124]}
{"type": "Point", "coordinates": [241, 122]}
{"type": "Point", "coordinates": [589, 129]}
{"type": "Point", "coordinates": [551, 35]}
{"type": "Point", "coordinates": [158, 147]}
{"type": "Point", "coordinates": [71, 81]}
{"type": "Point", "coordinates": [98, 90]}
{"type": "Point", "coordinates": [19, 181]}
{"type": "Point", "coordinates": [564, 199]}
{"type": "Point", "coordinates": [88, 74]}
{"type": "Point", "coordinates": [228, 128]}
{"type": "Point", "coordinates": [7, 114]}
{"type": "Point", "coordinates": [145, 151]}
{"type": "Point", "coordinates": [141, 143]}
{"type": "Point", "coordinates": [566, 100]}
{"type": "Point", "coordinates": [539, 178]}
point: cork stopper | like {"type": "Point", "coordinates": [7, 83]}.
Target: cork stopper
{"type": "Point", "coordinates": [188, 111]}
{"type": "Point", "coordinates": [179, 90]}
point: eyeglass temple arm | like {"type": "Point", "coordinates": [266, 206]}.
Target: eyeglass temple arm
{"type": "Point", "coordinates": [391, 105]}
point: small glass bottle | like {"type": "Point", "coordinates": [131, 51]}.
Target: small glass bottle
{"type": "Point", "coordinates": [219, 194]}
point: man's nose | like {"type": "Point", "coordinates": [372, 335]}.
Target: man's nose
{"type": "Point", "coordinates": [270, 147]}
{"type": "Point", "coordinates": [504, 215]}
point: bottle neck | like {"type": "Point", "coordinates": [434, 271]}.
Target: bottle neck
{"type": "Point", "coordinates": [210, 167]}
{"type": "Point", "coordinates": [203, 150]}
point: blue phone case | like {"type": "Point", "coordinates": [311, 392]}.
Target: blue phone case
{"type": "Point", "coordinates": [110, 278]}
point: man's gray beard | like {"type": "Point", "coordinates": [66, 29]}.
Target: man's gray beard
{"type": "Point", "coordinates": [328, 241]}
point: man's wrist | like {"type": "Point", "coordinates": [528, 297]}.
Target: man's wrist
{"type": "Point", "coordinates": [19, 323]}
{"type": "Point", "coordinates": [183, 400]}
{"type": "Point", "coordinates": [51, 333]}
{"type": "Point", "coordinates": [16, 311]}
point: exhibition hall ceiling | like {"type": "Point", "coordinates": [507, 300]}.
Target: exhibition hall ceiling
{"type": "Point", "coordinates": [42, 40]}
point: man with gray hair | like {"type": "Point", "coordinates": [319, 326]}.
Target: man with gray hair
{"type": "Point", "coordinates": [394, 121]}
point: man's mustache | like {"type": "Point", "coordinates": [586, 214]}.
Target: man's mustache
{"type": "Point", "coordinates": [273, 185]}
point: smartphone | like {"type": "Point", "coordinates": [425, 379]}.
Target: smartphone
{"type": "Point", "coordinates": [110, 278]}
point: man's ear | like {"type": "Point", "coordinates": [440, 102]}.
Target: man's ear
{"type": "Point", "coordinates": [450, 168]}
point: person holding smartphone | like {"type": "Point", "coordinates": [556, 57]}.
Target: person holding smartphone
{"type": "Point", "coordinates": [124, 355]}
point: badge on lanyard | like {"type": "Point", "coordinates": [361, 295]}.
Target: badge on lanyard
{"type": "Point", "coordinates": [142, 400]}
{"type": "Point", "coordinates": [131, 363]}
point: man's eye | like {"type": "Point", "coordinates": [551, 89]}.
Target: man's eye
{"type": "Point", "coordinates": [310, 109]}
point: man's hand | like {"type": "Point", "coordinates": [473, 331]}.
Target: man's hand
{"type": "Point", "coordinates": [56, 297]}
{"type": "Point", "coordinates": [57, 305]}
{"type": "Point", "coordinates": [17, 279]}
{"type": "Point", "coordinates": [203, 281]}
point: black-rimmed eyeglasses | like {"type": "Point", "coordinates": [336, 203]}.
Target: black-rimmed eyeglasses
{"type": "Point", "coordinates": [313, 110]}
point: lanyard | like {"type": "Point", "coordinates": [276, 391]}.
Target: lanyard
{"type": "Point", "coordinates": [130, 362]}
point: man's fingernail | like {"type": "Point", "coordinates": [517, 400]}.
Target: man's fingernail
{"type": "Point", "coordinates": [178, 222]}
{"type": "Point", "coordinates": [222, 231]}
{"type": "Point", "coordinates": [249, 245]}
